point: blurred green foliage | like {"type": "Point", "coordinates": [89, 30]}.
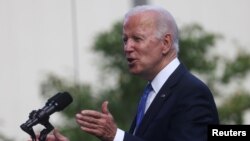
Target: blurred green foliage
{"type": "Point", "coordinates": [4, 138]}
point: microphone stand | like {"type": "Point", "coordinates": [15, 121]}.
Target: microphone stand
{"type": "Point", "coordinates": [48, 127]}
{"type": "Point", "coordinates": [45, 122]}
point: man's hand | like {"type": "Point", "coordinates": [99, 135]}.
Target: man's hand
{"type": "Point", "coordinates": [99, 124]}
{"type": "Point", "coordinates": [56, 136]}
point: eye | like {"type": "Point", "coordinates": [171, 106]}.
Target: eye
{"type": "Point", "coordinates": [137, 39]}
{"type": "Point", "coordinates": [125, 39]}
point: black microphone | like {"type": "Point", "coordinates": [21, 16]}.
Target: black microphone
{"type": "Point", "coordinates": [56, 103]}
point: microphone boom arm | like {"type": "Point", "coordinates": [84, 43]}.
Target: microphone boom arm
{"type": "Point", "coordinates": [45, 122]}
{"type": "Point", "coordinates": [48, 127]}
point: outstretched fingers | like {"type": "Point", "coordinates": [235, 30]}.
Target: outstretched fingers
{"type": "Point", "coordinates": [100, 124]}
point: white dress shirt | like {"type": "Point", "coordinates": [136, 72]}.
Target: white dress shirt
{"type": "Point", "coordinates": [156, 83]}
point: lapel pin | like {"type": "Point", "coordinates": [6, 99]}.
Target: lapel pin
{"type": "Point", "coordinates": [163, 95]}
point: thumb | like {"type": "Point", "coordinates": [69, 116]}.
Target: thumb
{"type": "Point", "coordinates": [58, 135]}
{"type": "Point", "coordinates": [105, 109]}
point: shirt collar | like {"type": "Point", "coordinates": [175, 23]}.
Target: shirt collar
{"type": "Point", "coordinates": [164, 74]}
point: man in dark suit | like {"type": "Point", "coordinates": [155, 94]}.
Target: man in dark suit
{"type": "Point", "coordinates": [177, 107]}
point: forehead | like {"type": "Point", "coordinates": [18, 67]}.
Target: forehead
{"type": "Point", "coordinates": [142, 20]}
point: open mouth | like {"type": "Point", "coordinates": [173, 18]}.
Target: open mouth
{"type": "Point", "coordinates": [131, 60]}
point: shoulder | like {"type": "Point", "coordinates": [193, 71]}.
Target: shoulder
{"type": "Point", "coordinates": [188, 78]}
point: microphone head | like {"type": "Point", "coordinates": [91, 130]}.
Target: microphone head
{"type": "Point", "coordinates": [61, 100]}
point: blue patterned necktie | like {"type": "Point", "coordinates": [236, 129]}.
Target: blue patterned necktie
{"type": "Point", "coordinates": [142, 104]}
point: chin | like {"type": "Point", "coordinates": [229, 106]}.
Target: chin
{"type": "Point", "coordinates": [134, 71]}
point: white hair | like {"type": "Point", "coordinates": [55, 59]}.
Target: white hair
{"type": "Point", "coordinates": [165, 21]}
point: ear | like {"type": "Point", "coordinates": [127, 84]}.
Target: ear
{"type": "Point", "coordinates": [167, 43]}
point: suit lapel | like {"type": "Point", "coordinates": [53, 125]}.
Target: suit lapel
{"type": "Point", "coordinates": [132, 127]}
{"type": "Point", "coordinates": [159, 100]}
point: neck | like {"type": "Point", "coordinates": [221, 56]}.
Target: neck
{"type": "Point", "coordinates": [168, 58]}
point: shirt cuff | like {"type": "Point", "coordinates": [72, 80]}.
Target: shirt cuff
{"type": "Point", "coordinates": [119, 136]}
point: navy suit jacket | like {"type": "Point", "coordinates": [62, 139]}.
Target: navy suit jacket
{"type": "Point", "coordinates": [180, 111]}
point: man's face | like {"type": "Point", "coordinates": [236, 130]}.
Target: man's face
{"type": "Point", "coordinates": [142, 49]}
